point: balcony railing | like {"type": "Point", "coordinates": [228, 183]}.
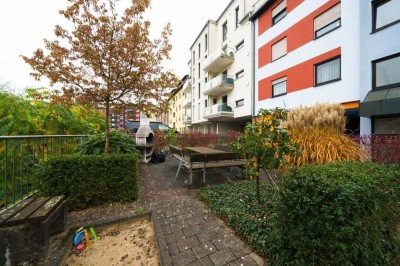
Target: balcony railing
{"type": "Point", "coordinates": [20, 155]}
{"type": "Point", "coordinates": [187, 102]}
{"type": "Point", "coordinates": [219, 60]}
{"type": "Point", "coordinates": [187, 87]}
{"type": "Point", "coordinates": [219, 85]}
{"type": "Point", "coordinates": [187, 119]}
{"type": "Point", "coordinates": [219, 111]}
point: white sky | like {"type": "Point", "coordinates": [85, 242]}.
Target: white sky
{"type": "Point", "coordinates": [25, 23]}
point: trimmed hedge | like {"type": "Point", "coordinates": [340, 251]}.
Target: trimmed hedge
{"type": "Point", "coordinates": [340, 213]}
{"type": "Point", "coordinates": [237, 205]}
{"type": "Point", "coordinates": [89, 180]}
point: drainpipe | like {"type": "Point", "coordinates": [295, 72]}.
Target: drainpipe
{"type": "Point", "coordinates": [253, 76]}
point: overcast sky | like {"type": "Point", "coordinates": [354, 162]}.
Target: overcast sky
{"type": "Point", "coordinates": [25, 23]}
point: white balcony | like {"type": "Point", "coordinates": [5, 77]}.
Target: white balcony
{"type": "Point", "coordinates": [187, 120]}
{"type": "Point", "coordinates": [219, 112]}
{"type": "Point", "coordinates": [219, 60]}
{"type": "Point", "coordinates": [187, 102]}
{"type": "Point", "coordinates": [219, 85]}
{"type": "Point", "coordinates": [187, 86]}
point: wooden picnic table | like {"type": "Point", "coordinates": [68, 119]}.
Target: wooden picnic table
{"type": "Point", "coordinates": [204, 150]}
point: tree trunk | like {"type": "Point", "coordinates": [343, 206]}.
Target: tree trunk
{"type": "Point", "coordinates": [258, 182]}
{"type": "Point", "coordinates": [107, 147]}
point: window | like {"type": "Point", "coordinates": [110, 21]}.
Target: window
{"type": "Point", "coordinates": [199, 71]}
{"type": "Point", "coordinates": [279, 87]}
{"type": "Point", "coordinates": [240, 74]}
{"type": "Point", "coordinates": [239, 45]}
{"type": "Point", "coordinates": [386, 125]}
{"type": "Point", "coordinates": [194, 55]}
{"type": "Point", "coordinates": [279, 49]}
{"type": "Point", "coordinates": [386, 72]}
{"type": "Point", "coordinates": [239, 102]}
{"type": "Point", "coordinates": [328, 71]}
{"type": "Point", "coordinates": [237, 17]}
{"type": "Point", "coordinates": [199, 50]}
{"type": "Point", "coordinates": [199, 90]}
{"type": "Point", "coordinates": [205, 103]}
{"type": "Point", "coordinates": [198, 113]}
{"type": "Point", "coordinates": [205, 80]}
{"type": "Point", "coordinates": [327, 21]}
{"type": "Point", "coordinates": [214, 101]}
{"type": "Point", "coordinates": [385, 13]}
{"type": "Point", "coordinates": [205, 43]}
{"type": "Point", "coordinates": [279, 12]}
{"type": "Point", "coordinates": [224, 30]}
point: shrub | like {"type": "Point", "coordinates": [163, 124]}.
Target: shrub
{"type": "Point", "coordinates": [237, 205]}
{"type": "Point", "coordinates": [332, 214]}
{"type": "Point", "coordinates": [381, 148]}
{"type": "Point", "coordinates": [89, 180]}
{"type": "Point", "coordinates": [119, 143]}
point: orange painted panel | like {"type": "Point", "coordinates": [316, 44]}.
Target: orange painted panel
{"type": "Point", "coordinates": [351, 105]}
{"type": "Point", "coordinates": [298, 35]}
{"type": "Point", "coordinates": [292, 4]}
{"type": "Point", "coordinates": [299, 77]}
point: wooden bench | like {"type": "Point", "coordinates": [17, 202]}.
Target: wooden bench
{"type": "Point", "coordinates": [199, 161]}
{"type": "Point", "coordinates": [27, 226]}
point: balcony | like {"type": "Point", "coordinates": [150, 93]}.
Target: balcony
{"type": "Point", "coordinates": [219, 85]}
{"type": "Point", "coordinates": [187, 120]}
{"type": "Point", "coordinates": [187, 102]}
{"type": "Point", "coordinates": [187, 86]}
{"type": "Point", "coordinates": [219, 60]}
{"type": "Point", "coordinates": [219, 112]}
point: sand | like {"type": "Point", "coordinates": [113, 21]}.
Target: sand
{"type": "Point", "coordinates": [125, 244]}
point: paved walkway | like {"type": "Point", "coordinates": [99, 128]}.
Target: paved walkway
{"type": "Point", "coordinates": [193, 235]}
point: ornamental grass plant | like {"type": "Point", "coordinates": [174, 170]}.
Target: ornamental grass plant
{"type": "Point", "coordinates": [319, 133]}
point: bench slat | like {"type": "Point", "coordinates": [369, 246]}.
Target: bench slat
{"type": "Point", "coordinates": [218, 164]}
{"type": "Point", "coordinates": [22, 215]}
{"type": "Point", "coordinates": [44, 211]}
{"type": "Point", "coordinates": [8, 213]}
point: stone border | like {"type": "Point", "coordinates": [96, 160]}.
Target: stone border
{"type": "Point", "coordinates": [160, 242]}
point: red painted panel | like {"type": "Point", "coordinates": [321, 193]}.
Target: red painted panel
{"type": "Point", "coordinates": [298, 35]}
{"type": "Point", "coordinates": [299, 77]}
{"type": "Point", "coordinates": [265, 19]}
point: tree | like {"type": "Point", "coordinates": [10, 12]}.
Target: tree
{"type": "Point", "coordinates": [107, 59]}
{"type": "Point", "coordinates": [265, 144]}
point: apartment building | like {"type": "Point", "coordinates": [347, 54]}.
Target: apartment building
{"type": "Point", "coordinates": [176, 102]}
{"type": "Point", "coordinates": [119, 118]}
{"type": "Point", "coordinates": [221, 71]}
{"type": "Point", "coordinates": [330, 51]}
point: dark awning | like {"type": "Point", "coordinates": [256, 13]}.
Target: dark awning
{"type": "Point", "coordinates": [381, 103]}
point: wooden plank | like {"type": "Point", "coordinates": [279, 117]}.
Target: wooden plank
{"type": "Point", "coordinates": [44, 211]}
{"type": "Point", "coordinates": [204, 150]}
{"type": "Point", "coordinates": [16, 208]}
{"type": "Point", "coordinates": [219, 164]}
{"type": "Point", "coordinates": [22, 215]}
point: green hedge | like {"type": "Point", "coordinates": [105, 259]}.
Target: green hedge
{"type": "Point", "coordinates": [342, 213]}
{"type": "Point", "coordinates": [89, 180]}
{"type": "Point", "coordinates": [237, 205]}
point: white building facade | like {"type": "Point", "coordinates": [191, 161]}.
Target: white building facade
{"type": "Point", "coordinates": [221, 71]}
{"type": "Point", "coordinates": [330, 51]}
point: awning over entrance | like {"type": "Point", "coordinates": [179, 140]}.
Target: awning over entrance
{"type": "Point", "coordinates": [381, 103]}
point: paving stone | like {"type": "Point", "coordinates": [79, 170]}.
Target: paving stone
{"type": "Point", "coordinates": [209, 224]}
{"type": "Point", "coordinates": [207, 236]}
{"type": "Point", "coordinates": [240, 249]}
{"type": "Point", "coordinates": [183, 258]}
{"type": "Point", "coordinates": [192, 230]}
{"type": "Point", "coordinates": [196, 220]}
{"type": "Point", "coordinates": [204, 249]}
{"type": "Point", "coordinates": [206, 261]}
{"type": "Point", "coordinates": [243, 261]}
{"type": "Point", "coordinates": [187, 243]}
{"type": "Point", "coordinates": [222, 257]}
{"type": "Point", "coordinates": [174, 237]}
{"type": "Point", "coordinates": [173, 249]}
{"type": "Point", "coordinates": [179, 226]}
{"type": "Point", "coordinates": [223, 241]}
{"type": "Point", "coordinates": [259, 260]}
{"type": "Point", "coordinates": [166, 228]}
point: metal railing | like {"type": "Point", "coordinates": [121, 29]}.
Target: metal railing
{"type": "Point", "coordinates": [219, 81]}
{"type": "Point", "coordinates": [226, 51]}
{"type": "Point", "coordinates": [19, 155]}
